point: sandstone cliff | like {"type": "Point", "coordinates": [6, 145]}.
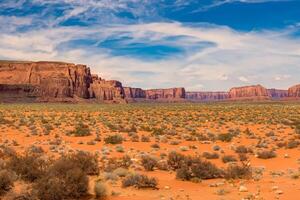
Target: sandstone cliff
{"type": "Point", "coordinates": [294, 91]}
{"type": "Point", "coordinates": [278, 94]}
{"type": "Point", "coordinates": [171, 93]}
{"type": "Point", "coordinates": [254, 92]}
{"type": "Point", "coordinates": [104, 90]}
{"type": "Point", "coordinates": [54, 81]}
{"type": "Point", "coordinates": [134, 93]}
{"type": "Point", "coordinates": [207, 96]}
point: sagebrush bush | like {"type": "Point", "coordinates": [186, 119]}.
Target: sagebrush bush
{"type": "Point", "coordinates": [228, 158]}
{"type": "Point", "coordinates": [64, 180]}
{"type": "Point", "coordinates": [266, 154]}
{"type": "Point", "coordinates": [29, 166]}
{"type": "Point", "coordinates": [195, 168]}
{"type": "Point", "coordinates": [100, 190]}
{"type": "Point", "coordinates": [238, 172]}
{"type": "Point", "coordinates": [149, 162]}
{"type": "Point", "coordinates": [209, 155]}
{"type": "Point", "coordinates": [139, 181]}
{"type": "Point", "coordinates": [6, 181]}
{"type": "Point", "coordinates": [225, 137]}
{"type": "Point", "coordinates": [113, 139]}
{"type": "Point", "coordinates": [175, 160]}
{"type": "Point", "coordinates": [81, 130]}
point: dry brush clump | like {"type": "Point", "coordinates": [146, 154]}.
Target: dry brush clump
{"type": "Point", "coordinates": [63, 178]}
{"type": "Point", "coordinates": [139, 181]}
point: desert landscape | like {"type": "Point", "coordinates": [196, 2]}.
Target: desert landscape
{"type": "Point", "coordinates": [149, 100]}
{"type": "Point", "coordinates": [151, 151]}
{"type": "Point", "coordinates": [68, 134]}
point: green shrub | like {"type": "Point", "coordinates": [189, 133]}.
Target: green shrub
{"type": "Point", "coordinates": [81, 130]}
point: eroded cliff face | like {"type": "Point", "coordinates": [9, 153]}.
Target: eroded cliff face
{"type": "Point", "coordinates": [278, 94]}
{"type": "Point", "coordinates": [253, 92]}
{"type": "Point", "coordinates": [51, 79]}
{"type": "Point", "coordinates": [55, 81]}
{"type": "Point", "coordinates": [134, 93]}
{"type": "Point", "coordinates": [171, 93]}
{"type": "Point", "coordinates": [294, 91]}
{"type": "Point", "coordinates": [207, 96]}
{"type": "Point", "coordinates": [104, 90]}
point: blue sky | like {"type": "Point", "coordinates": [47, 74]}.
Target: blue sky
{"type": "Point", "coordinates": [201, 45]}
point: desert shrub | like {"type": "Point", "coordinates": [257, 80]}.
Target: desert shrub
{"type": "Point", "coordinates": [145, 138]}
{"type": "Point", "coordinates": [114, 163]}
{"type": "Point", "coordinates": [155, 146]}
{"type": "Point", "coordinates": [241, 149]}
{"type": "Point", "coordinates": [85, 161]}
{"type": "Point", "coordinates": [6, 181]}
{"type": "Point", "coordinates": [175, 160]}
{"type": "Point", "coordinates": [135, 138]}
{"type": "Point", "coordinates": [121, 172]}
{"type": "Point", "coordinates": [100, 190]}
{"type": "Point", "coordinates": [266, 154]}
{"type": "Point", "coordinates": [238, 172]}
{"type": "Point", "coordinates": [139, 181]}
{"type": "Point", "coordinates": [119, 149]}
{"type": "Point", "coordinates": [292, 144]}
{"type": "Point", "coordinates": [225, 137]}
{"type": "Point", "coordinates": [194, 167]}
{"type": "Point", "coordinates": [80, 130]}
{"type": "Point", "coordinates": [64, 180]}
{"type": "Point", "coordinates": [209, 155]}
{"type": "Point", "coordinates": [228, 158]}
{"type": "Point", "coordinates": [243, 157]}
{"type": "Point", "coordinates": [29, 166]}
{"type": "Point", "coordinates": [149, 162]}
{"type": "Point", "coordinates": [113, 139]}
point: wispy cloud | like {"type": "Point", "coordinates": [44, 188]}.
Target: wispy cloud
{"type": "Point", "coordinates": [128, 40]}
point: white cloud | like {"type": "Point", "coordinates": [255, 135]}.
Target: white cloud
{"type": "Point", "coordinates": [253, 57]}
{"type": "Point", "coordinates": [243, 79]}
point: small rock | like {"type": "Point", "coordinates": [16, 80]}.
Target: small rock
{"type": "Point", "coordinates": [275, 188]}
{"type": "Point", "coordinates": [243, 189]}
{"type": "Point", "coordinates": [278, 192]}
{"type": "Point", "coordinates": [167, 187]}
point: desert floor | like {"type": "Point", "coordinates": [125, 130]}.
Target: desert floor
{"type": "Point", "coordinates": [263, 136]}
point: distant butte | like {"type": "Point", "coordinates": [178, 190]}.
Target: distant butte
{"type": "Point", "coordinates": [43, 81]}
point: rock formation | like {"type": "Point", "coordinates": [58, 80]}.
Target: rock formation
{"type": "Point", "coordinates": [59, 81]}
{"type": "Point", "coordinates": [253, 92]}
{"type": "Point", "coordinates": [50, 79]}
{"type": "Point", "coordinates": [55, 81]}
{"type": "Point", "coordinates": [134, 93]}
{"type": "Point", "coordinates": [294, 91]}
{"type": "Point", "coordinates": [104, 90]}
{"type": "Point", "coordinates": [171, 93]}
{"type": "Point", "coordinates": [207, 96]}
{"type": "Point", "coordinates": [278, 94]}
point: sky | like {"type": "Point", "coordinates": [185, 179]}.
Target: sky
{"type": "Point", "coordinates": [202, 45]}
